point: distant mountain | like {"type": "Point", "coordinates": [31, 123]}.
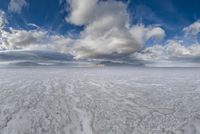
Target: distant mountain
{"type": "Point", "coordinates": [120, 63]}
{"type": "Point", "coordinates": [25, 63]}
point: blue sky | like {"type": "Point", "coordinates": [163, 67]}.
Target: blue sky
{"type": "Point", "coordinates": [104, 29]}
{"type": "Point", "coordinates": [49, 16]}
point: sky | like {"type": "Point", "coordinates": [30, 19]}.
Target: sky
{"type": "Point", "coordinates": [137, 32]}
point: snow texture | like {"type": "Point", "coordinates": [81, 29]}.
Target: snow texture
{"type": "Point", "coordinates": [107, 100]}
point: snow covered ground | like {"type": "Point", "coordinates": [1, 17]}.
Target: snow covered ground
{"type": "Point", "coordinates": [108, 100]}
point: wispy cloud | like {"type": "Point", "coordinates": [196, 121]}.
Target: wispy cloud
{"type": "Point", "coordinates": [192, 29]}
{"type": "Point", "coordinates": [16, 6]}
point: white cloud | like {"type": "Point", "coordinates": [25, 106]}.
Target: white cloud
{"type": "Point", "coordinates": [82, 11]}
{"type": "Point", "coordinates": [34, 40]}
{"type": "Point", "coordinates": [2, 19]}
{"type": "Point", "coordinates": [157, 33]}
{"type": "Point", "coordinates": [37, 39]}
{"type": "Point", "coordinates": [192, 29]}
{"type": "Point", "coordinates": [151, 54]}
{"type": "Point", "coordinates": [107, 30]}
{"type": "Point", "coordinates": [56, 43]}
{"type": "Point", "coordinates": [33, 25]}
{"type": "Point", "coordinates": [142, 34]}
{"type": "Point", "coordinates": [171, 53]}
{"type": "Point", "coordinates": [16, 6]}
{"type": "Point", "coordinates": [16, 39]}
{"type": "Point", "coordinates": [107, 34]}
{"type": "Point", "coordinates": [2, 23]}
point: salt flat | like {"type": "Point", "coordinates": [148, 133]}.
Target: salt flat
{"type": "Point", "coordinates": [108, 100]}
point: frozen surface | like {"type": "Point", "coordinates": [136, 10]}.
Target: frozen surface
{"type": "Point", "coordinates": [100, 101]}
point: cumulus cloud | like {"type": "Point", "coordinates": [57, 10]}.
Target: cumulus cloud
{"type": "Point", "coordinates": [192, 29]}
{"type": "Point", "coordinates": [142, 33]}
{"type": "Point", "coordinates": [171, 53]}
{"type": "Point", "coordinates": [107, 32]}
{"type": "Point", "coordinates": [150, 54]}
{"type": "Point", "coordinates": [11, 38]}
{"type": "Point", "coordinates": [16, 39]}
{"type": "Point", "coordinates": [34, 40]}
{"type": "Point", "coordinates": [2, 23]}
{"type": "Point", "coordinates": [82, 11]}
{"type": "Point", "coordinates": [16, 6]}
{"type": "Point", "coordinates": [37, 39]}
{"type": "Point", "coordinates": [2, 19]}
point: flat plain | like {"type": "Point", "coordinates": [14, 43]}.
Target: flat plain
{"type": "Point", "coordinates": [104, 100]}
